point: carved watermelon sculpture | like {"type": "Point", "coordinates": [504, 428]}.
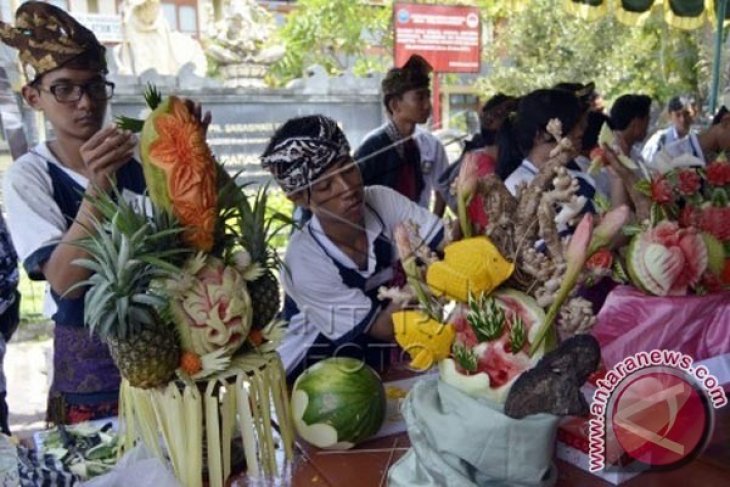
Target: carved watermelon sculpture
{"type": "Point", "coordinates": [338, 403]}
{"type": "Point", "coordinates": [180, 169]}
{"type": "Point", "coordinates": [667, 260]}
{"type": "Point", "coordinates": [493, 337]}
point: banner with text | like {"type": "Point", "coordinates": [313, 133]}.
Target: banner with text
{"type": "Point", "coordinates": [448, 37]}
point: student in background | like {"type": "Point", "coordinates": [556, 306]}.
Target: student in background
{"type": "Point", "coordinates": [484, 145]}
{"type": "Point", "coordinates": [682, 111]}
{"type": "Point", "coordinates": [400, 155]}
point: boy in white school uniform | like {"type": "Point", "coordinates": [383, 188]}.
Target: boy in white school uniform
{"type": "Point", "coordinates": [336, 262]}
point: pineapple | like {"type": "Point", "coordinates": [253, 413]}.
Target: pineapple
{"type": "Point", "coordinates": [148, 358]}
{"type": "Point", "coordinates": [127, 253]}
{"type": "Point", "coordinates": [255, 233]}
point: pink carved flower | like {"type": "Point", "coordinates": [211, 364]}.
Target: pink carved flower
{"type": "Point", "coordinates": [715, 221]}
{"type": "Point", "coordinates": [661, 190]}
{"type": "Point", "coordinates": [689, 182]}
{"type": "Point", "coordinates": [718, 173]}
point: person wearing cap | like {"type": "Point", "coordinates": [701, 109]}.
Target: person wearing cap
{"type": "Point", "coordinates": [45, 189]}
{"type": "Point", "coordinates": [400, 154]}
{"type": "Point", "coordinates": [682, 110]}
{"type": "Point", "coordinates": [335, 264]}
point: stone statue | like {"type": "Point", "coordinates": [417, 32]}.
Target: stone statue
{"type": "Point", "coordinates": [237, 43]}
{"type": "Point", "coordinates": [150, 43]}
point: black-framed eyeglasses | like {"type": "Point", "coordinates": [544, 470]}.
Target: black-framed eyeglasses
{"type": "Point", "coordinates": [71, 92]}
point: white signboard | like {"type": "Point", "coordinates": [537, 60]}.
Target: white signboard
{"type": "Point", "coordinates": [107, 28]}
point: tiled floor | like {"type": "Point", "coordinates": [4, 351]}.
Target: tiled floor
{"type": "Point", "coordinates": [367, 466]}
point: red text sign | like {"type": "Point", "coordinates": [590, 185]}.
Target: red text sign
{"type": "Point", "coordinates": [448, 37]}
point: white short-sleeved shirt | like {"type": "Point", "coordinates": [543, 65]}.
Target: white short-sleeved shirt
{"type": "Point", "coordinates": [527, 171]}
{"type": "Point", "coordinates": [524, 173]}
{"type": "Point", "coordinates": [324, 303]}
{"type": "Point", "coordinates": [670, 156]}
{"type": "Point", "coordinates": [659, 140]}
{"type": "Point", "coordinates": [38, 192]}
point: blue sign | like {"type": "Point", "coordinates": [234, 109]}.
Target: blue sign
{"type": "Point", "coordinates": [403, 15]}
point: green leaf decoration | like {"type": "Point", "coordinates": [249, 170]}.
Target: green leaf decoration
{"type": "Point", "coordinates": [631, 230]}
{"type": "Point", "coordinates": [465, 357]}
{"type": "Point", "coordinates": [517, 335]}
{"type": "Point", "coordinates": [485, 317]}
{"type": "Point", "coordinates": [618, 273]}
{"type": "Point", "coordinates": [643, 187]}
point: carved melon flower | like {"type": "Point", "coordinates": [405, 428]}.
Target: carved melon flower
{"type": "Point", "coordinates": [214, 312]}
{"type": "Point", "coordinates": [181, 152]}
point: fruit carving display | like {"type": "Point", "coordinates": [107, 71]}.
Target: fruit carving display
{"type": "Point", "coordinates": [501, 294]}
{"type": "Point", "coordinates": [172, 289]}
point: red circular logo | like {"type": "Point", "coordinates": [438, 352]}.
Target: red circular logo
{"type": "Point", "coordinates": [660, 417]}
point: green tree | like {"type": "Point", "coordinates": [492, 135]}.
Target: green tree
{"type": "Point", "coordinates": [336, 34]}
{"type": "Point", "coordinates": [542, 44]}
{"type": "Point", "coordinates": [339, 34]}
{"type": "Point", "coordinates": [536, 43]}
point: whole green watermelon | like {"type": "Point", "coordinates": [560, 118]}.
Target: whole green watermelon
{"type": "Point", "coordinates": [337, 403]}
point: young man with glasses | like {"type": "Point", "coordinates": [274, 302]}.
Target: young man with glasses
{"type": "Point", "coordinates": [45, 190]}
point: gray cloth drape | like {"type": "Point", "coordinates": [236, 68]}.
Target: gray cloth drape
{"type": "Point", "coordinates": [458, 440]}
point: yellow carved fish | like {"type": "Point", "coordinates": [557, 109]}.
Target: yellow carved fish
{"type": "Point", "coordinates": [426, 340]}
{"type": "Point", "coordinates": [472, 264]}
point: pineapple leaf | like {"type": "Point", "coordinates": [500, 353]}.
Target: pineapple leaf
{"type": "Point", "coordinates": [162, 264]}
{"type": "Point", "coordinates": [78, 285]}
{"type": "Point", "coordinates": [465, 357]}
{"type": "Point", "coordinates": [149, 299]}
{"type": "Point", "coordinates": [123, 255]}
{"type": "Point", "coordinates": [106, 326]}
{"type": "Point", "coordinates": [127, 249]}
{"type": "Point", "coordinates": [122, 304]}
{"type": "Point", "coordinates": [89, 264]}
{"type": "Point", "coordinates": [94, 300]}
{"type": "Point", "coordinates": [142, 316]}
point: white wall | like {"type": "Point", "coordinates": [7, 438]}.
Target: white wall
{"type": "Point", "coordinates": [82, 6]}
{"type": "Point", "coordinates": [78, 6]}
{"type": "Point", "coordinates": [107, 7]}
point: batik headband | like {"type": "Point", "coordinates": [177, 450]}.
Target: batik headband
{"type": "Point", "coordinates": [296, 162]}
